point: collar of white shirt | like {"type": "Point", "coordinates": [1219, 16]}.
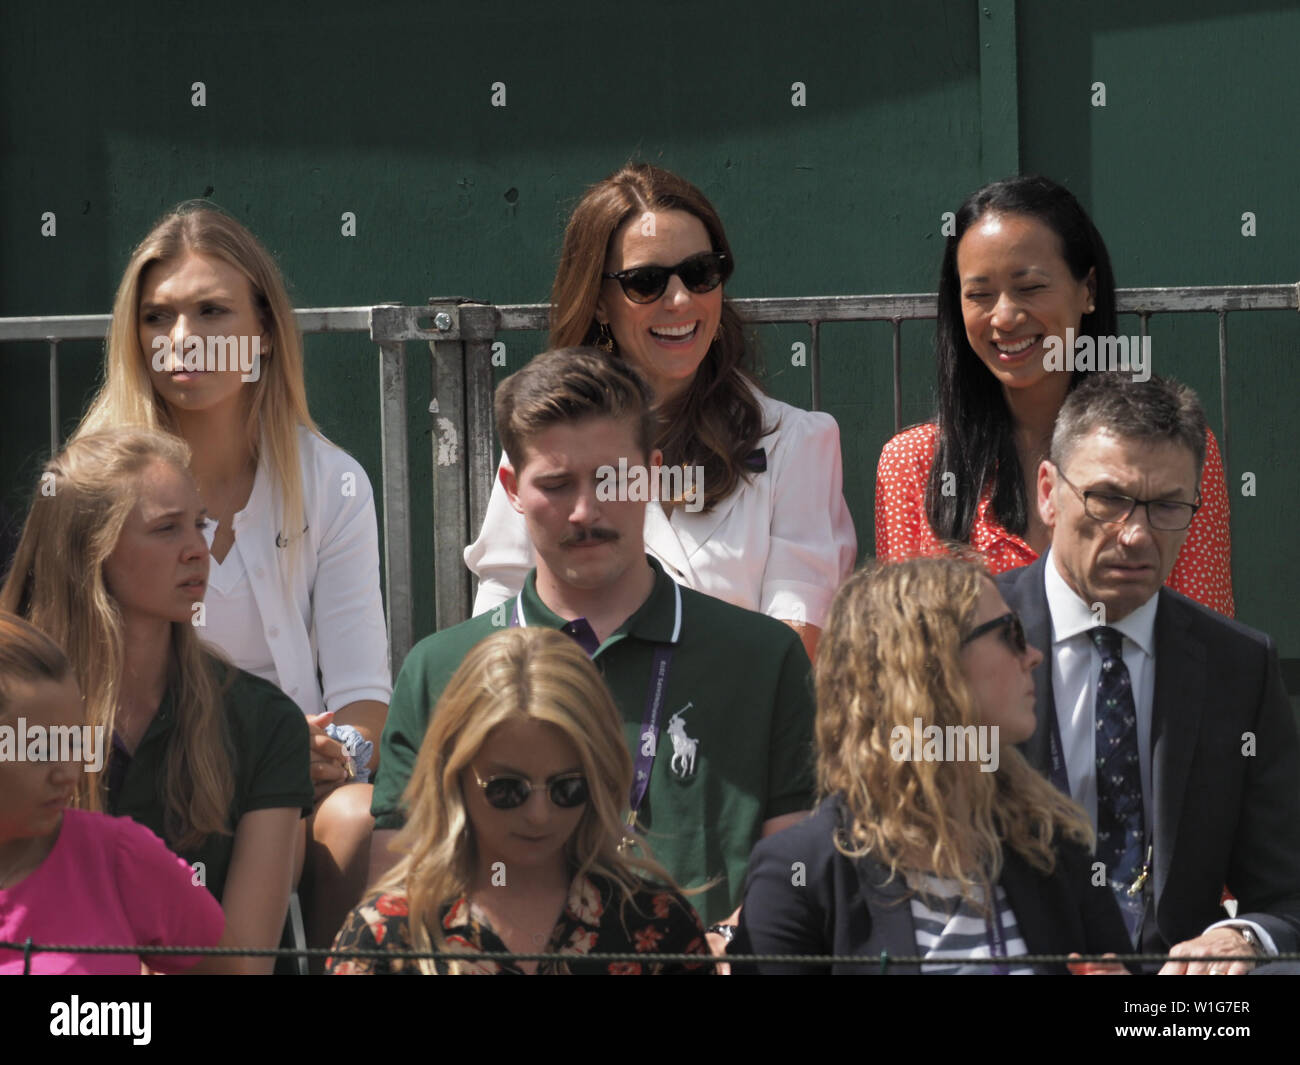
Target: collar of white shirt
{"type": "Point", "coordinates": [1071, 616]}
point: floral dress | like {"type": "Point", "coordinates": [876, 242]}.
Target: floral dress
{"type": "Point", "coordinates": [594, 920]}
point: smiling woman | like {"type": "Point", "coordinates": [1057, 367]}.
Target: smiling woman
{"type": "Point", "coordinates": [1024, 270]}
{"type": "Point", "coordinates": [641, 276]}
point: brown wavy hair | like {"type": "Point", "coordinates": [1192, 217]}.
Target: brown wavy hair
{"type": "Point", "coordinates": [57, 583]}
{"type": "Point", "coordinates": [514, 674]}
{"type": "Point", "coordinates": [715, 423]}
{"type": "Point", "coordinates": [891, 653]}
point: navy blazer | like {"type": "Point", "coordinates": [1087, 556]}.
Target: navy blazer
{"type": "Point", "coordinates": [831, 904]}
{"type": "Point", "coordinates": [1225, 766]}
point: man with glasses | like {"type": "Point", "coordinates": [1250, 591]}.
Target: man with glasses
{"type": "Point", "coordinates": [1165, 720]}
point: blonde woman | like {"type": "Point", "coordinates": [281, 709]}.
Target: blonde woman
{"type": "Point", "coordinates": [111, 565]}
{"type": "Point", "coordinates": [514, 840]}
{"type": "Point", "coordinates": [294, 584]}
{"type": "Point", "coordinates": [926, 846]}
{"type": "Point", "coordinates": [72, 876]}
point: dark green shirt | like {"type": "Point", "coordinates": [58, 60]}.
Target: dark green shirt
{"type": "Point", "coordinates": [741, 685]}
{"type": "Point", "coordinates": [271, 761]}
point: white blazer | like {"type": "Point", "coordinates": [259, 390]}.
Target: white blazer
{"type": "Point", "coordinates": [326, 612]}
{"type": "Point", "coordinates": [780, 544]}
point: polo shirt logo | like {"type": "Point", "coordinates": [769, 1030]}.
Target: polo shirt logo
{"type": "Point", "coordinates": [684, 748]}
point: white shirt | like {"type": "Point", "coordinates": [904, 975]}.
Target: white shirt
{"type": "Point", "coordinates": [231, 620]}
{"type": "Point", "coordinates": [326, 612]}
{"type": "Point", "coordinates": [1076, 672]}
{"type": "Point", "coordinates": [780, 544]}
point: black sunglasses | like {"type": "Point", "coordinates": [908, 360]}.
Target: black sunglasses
{"type": "Point", "coordinates": [505, 792]}
{"type": "Point", "coordinates": [700, 273]}
{"type": "Point", "coordinates": [1012, 631]}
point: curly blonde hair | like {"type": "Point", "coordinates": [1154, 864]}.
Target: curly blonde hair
{"type": "Point", "coordinates": [890, 654]}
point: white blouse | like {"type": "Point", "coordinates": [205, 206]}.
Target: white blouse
{"type": "Point", "coordinates": [318, 608]}
{"type": "Point", "coordinates": [231, 621]}
{"type": "Point", "coordinates": [780, 544]}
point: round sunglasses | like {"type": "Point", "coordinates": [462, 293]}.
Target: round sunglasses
{"type": "Point", "coordinates": [700, 273]}
{"type": "Point", "coordinates": [507, 791]}
{"type": "Point", "coordinates": [1011, 629]}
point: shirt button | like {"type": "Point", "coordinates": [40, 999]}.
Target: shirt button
{"type": "Point", "coordinates": [272, 632]}
{"type": "Point", "coordinates": [258, 571]}
{"type": "Point", "coordinates": [293, 690]}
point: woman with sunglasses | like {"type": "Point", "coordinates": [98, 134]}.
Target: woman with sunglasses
{"type": "Point", "coordinates": [924, 845]}
{"type": "Point", "coordinates": [113, 565]}
{"type": "Point", "coordinates": [762, 523]}
{"type": "Point", "coordinates": [515, 839]}
{"type": "Point", "coordinates": [1024, 268]}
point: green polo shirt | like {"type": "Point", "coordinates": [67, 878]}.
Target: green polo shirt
{"type": "Point", "coordinates": [740, 685]}
{"type": "Point", "coordinates": [270, 755]}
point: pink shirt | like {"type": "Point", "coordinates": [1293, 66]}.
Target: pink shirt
{"type": "Point", "coordinates": [107, 880]}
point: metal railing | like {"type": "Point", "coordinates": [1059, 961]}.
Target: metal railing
{"type": "Point", "coordinates": [460, 335]}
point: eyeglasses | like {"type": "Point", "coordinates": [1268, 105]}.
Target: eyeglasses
{"type": "Point", "coordinates": [1013, 631]}
{"type": "Point", "coordinates": [506, 792]}
{"type": "Point", "coordinates": [700, 273]}
{"type": "Point", "coordinates": [1166, 515]}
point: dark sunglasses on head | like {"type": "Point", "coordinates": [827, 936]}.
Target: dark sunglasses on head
{"type": "Point", "coordinates": [1012, 631]}
{"type": "Point", "coordinates": [700, 273]}
{"type": "Point", "coordinates": [505, 792]}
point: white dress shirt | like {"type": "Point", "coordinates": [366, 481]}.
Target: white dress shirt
{"type": "Point", "coordinates": [780, 544]}
{"type": "Point", "coordinates": [1076, 672]}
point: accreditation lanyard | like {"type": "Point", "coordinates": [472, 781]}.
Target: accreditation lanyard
{"type": "Point", "coordinates": [997, 941]}
{"type": "Point", "coordinates": [1060, 778]}
{"type": "Point", "coordinates": [648, 737]}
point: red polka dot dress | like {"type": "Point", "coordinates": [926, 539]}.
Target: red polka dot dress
{"type": "Point", "coordinates": [1203, 571]}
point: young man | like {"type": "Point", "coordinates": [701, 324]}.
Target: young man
{"type": "Point", "coordinates": [716, 701]}
{"type": "Point", "coordinates": [1167, 721]}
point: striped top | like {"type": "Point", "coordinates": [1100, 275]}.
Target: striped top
{"type": "Point", "coordinates": [948, 926]}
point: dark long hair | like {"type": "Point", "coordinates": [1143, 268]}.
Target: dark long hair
{"type": "Point", "coordinates": [976, 441]}
{"type": "Point", "coordinates": [715, 423]}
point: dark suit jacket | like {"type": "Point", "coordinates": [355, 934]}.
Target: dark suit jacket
{"type": "Point", "coordinates": [1221, 816]}
{"type": "Point", "coordinates": [845, 906]}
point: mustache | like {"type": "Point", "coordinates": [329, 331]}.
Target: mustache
{"type": "Point", "coordinates": [582, 536]}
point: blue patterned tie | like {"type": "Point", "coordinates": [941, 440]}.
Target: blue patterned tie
{"type": "Point", "coordinates": [1120, 827]}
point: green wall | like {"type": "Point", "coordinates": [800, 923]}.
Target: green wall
{"type": "Point", "coordinates": [385, 110]}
